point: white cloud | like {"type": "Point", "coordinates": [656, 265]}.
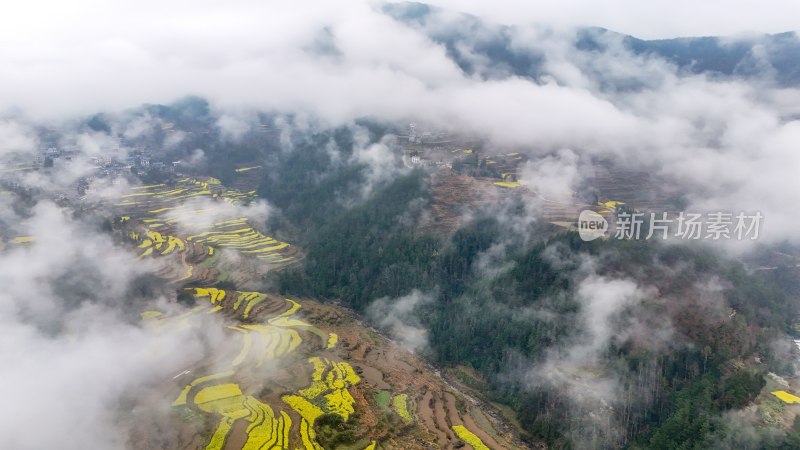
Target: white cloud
{"type": "Point", "coordinates": [399, 317]}
{"type": "Point", "coordinates": [69, 352]}
{"type": "Point", "coordinates": [199, 214]}
{"type": "Point", "coordinates": [16, 137]}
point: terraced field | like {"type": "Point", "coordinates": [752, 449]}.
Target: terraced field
{"type": "Point", "coordinates": [189, 223]}
{"type": "Point", "coordinates": [297, 364]}
{"type": "Point", "coordinates": [168, 211]}
{"type": "Point", "coordinates": [606, 187]}
{"type": "Point", "coordinates": [275, 335]}
{"type": "Point", "coordinates": [407, 395]}
{"type": "Point", "coordinates": [22, 240]}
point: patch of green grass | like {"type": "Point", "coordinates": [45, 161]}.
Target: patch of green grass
{"type": "Point", "coordinates": [382, 399]}
{"type": "Point", "coordinates": [772, 411]}
{"type": "Point", "coordinates": [189, 416]}
{"type": "Point", "coordinates": [224, 275]}
{"type": "Point", "coordinates": [208, 262]}
{"type": "Point", "coordinates": [371, 336]}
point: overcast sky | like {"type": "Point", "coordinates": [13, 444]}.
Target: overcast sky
{"type": "Point", "coordinates": [650, 19]}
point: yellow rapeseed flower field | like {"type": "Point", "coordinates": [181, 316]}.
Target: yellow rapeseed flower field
{"type": "Point", "coordinates": [469, 437]}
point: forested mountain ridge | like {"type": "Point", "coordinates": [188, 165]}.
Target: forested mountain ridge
{"type": "Point", "coordinates": [697, 323]}
{"type": "Point", "coordinates": [513, 52]}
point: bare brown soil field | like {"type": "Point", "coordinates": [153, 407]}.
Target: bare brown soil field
{"type": "Point", "coordinates": [451, 194]}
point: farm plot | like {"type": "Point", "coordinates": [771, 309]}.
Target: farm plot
{"type": "Point", "coordinates": [400, 405]}
{"type": "Point", "coordinates": [219, 396]}
{"type": "Point", "coordinates": [168, 211]}
{"type": "Point", "coordinates": [469, 437]}
{"type": "Point", "coordinates": [327, 394]}
{"type": "Point", "coordinates": [265, 429]}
